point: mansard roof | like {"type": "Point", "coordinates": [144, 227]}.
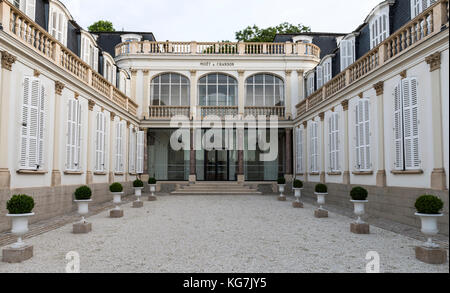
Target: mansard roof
{"type": "Point", "coordinates": [109, 40]}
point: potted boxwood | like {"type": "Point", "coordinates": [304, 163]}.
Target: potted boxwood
{"type": "Point", "coordinates": [83, 196]}
{"type": "Point", "coordinates": [20, 208]}
{"type": "Point", "coordinates": [117, 191]}
{"type": "Point", "coordinates": [152, 184]}
{"type": "Point", "coordinates": [429, 210]}
{"type": "Point", "coordinates": [281, 186]}
{"type": "Point", "coordinates": [298, 187]}
{"type": "Point", "coordinates": [138, 185]}
{"type": "Point", "coordinates": [359, 199]}
{"type": "Point", "coordinates": [321, 191]}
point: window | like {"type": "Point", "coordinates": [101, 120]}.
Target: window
{"type": "Point", "coordinates": [217, 90]}
{"type": "Point", "coordinates": [363, 158]}
{"type": "Point", "coordinates": [379, 29]}
{"type": "Point", "coordinates": [73, 146]}
{"type": "Point", "coordinates": [27, 6]}
{"type": "Point", "coordinates": [264, 90]}
{"type": "Point", "coordinates": [58, 25]}
{"type": "Point", "coordinates": [140, 152]}
{"type": "Point", "coordinates": [406, 125]}
{"type": "Point", "coordinates": [333, 142]}
{"type": "Point", "coordinates": [327, 70]}
{"type": "Point", "coordinates": [319, 73]}
{"type": "Point", "coordinates": [32, 129]}
{"type": "Point", "coordinates": [314, 148]}
{"type": "Point", "coordinates": [347, 49]}
{"type": "Point", "coordinates": [100, 142]}
{"type": "Point", "coordinates": [89, 53]}
{"type": "Point", "coordinates": [120, 128]}
{"type": "Point", "coordinates": [170, 89]}
{"type": "Point", "coordinates": [132, 151]}
{"type": "Point", "coordinates": [300, 161]}
{"type": "Point", "coordinates": [310, 84]}
{"type": "Point", "coordinates": [418, 6]}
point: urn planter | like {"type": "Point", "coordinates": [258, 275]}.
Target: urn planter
{"type": "Point", "coordinates": [152, 189]}
{"type": "Point", "coordinates": [281, 188]}
{"type": "Point", "coordinates": [321, 199]}
{"type": "Point", "coordinates": [298, 194]}
{"type": "Point", "coordinates": [429, 228]}
{"type": "Point", "coordinates": [19, 228]}
{"type": "Point", "coordinates": [359, 209]}
{"type": "Point", "coordinates": [117, 199]}
{"type": "Point", "coordinates": [83, 208]}
{"type": "Point", "coordinates": [138, 192]}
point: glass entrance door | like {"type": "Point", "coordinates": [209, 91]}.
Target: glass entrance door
{"type": "Point", "coordinates": [217, 165]}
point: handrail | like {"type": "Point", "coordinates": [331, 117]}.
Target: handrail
{"type": "Point", "coordinates": [423, 26]}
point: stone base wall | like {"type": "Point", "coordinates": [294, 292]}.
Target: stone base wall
{"type": "Point", "coordinates": [392, 203]}
{"type": "Point", "coordinates": [54, 201]}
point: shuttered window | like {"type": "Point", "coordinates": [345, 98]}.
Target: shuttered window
{"type": "Point", "coordinates": [140, 152]}
{"type": "Point", "coordinates": [333, 142]}
{"type": "Point", "coordinates": [363, 155]}
{"type": "Point", "coordinates": [32, 129]}
{"type": "Point", "coordinates": [310, 84]}
{"type": "Point", "coordinates": [327, 71]}
{"type": "Point", "coordinates": [319, 73]}
{"type": "Point", "coordinates": [73, 146]}
{"type": "Point", "coordinates": [58, 25]}
{"type": "Point", "coordinates": [406, 125]}
{"type": "Point", "coordinates": [314, 135]}
{"type": "Point", "coordinates": [27, 6]}
{"type": "Point", "coordinates": [100, 142]}
{"type": "Point", "coordinates": [300, 162]}
{"type": "Point", "coordinates": [379, 30]}
{"type": "Point", "coordinates": [120, 126]}
{"type": "Point", "coordinates": [347, 51]}
{"type": "Point", "coordinates": [418, 6]}
{"type": "Point", "coordinates": [132, 151]}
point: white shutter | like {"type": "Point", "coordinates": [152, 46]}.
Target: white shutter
{"type": "Point", "coordinates": [79, 116]}
{"type": "Point", "coordinates": [357, 136]}
{"type": "Point", "coordinates": [398, 128]}
{"type": "Point", "coordinates": [34, 125]}
{"type": "Point", "coordinates": [140, 152]}
{"type": "Point", "coordinates": [367, 159]}
{"type": "Point", "coordinates": [100, 142]}
{"type": "Point", "coordinates": [26, 125]}
{"type": "Point", "coordinates": [30, 9]}
{"type": "Point", "coordinates": [96, 59]}
{"type": "Point", "coordinates": [40, 151]}
{"type": "Point", "coordinates": [319, 71]}
{"type": "Point", "coordinates": [73, 146]}
{"type": "Point", "coordinates": [330, 143]}
{"type": "Point", "coordinates": [119, 146]}
{"type": "Point", "coordinates": [97, 142]}
{"type": "Point", "coordinates": [314, 147]}
{"type": "Point", "coordinates": [337, 141]}
{"type": "Point", "coordinates": [333, 124]}
{"type": "Point", "coordinates": [299, 150]}
{"type": "Point", "coordinates": [410, 121]}
{"type": "Point", "coordinates": [363, 152]}
{"type": "Point", "coordinates": [132, 151]}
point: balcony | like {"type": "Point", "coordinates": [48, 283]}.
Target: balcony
{"type": "Point", "coordinates": [21, 27]}
{"type": "Point", "coordinates": [421, 28]}
{"type": "Point", "coordinates": [167, 112]}
{"type": "Point", "coordinates": [211, 48]}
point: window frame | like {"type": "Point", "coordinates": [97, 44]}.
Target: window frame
{"type": "Point", "coordinates": [264, 84]}
{"type": "Point", "coordinates": [217, 84]}
{"type": "Point", "coordinates": [156, 80]}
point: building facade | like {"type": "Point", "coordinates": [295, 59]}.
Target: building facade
{"type": "Point", "coordinates": [366, 108]}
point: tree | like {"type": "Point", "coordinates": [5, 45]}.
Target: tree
{"type": "Point", "coordinates": [102, 26]}
{"type": "Point", "coordinates": [255, 34]}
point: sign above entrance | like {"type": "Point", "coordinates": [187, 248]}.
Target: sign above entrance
{"type": "Point", "coordinates": [217, 64]}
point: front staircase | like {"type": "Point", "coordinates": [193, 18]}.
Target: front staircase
{"type": "Point", "coordinates": [216, 188]}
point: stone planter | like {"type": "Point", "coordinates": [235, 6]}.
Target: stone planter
{"type": "Point", "coordinates": [152, 189]}
{"type": "Point", "coordinates": [281, 188]}
{"type": "Point", "coordinates": [117, 199]}
{"type": "Point", "coordinates": [83, 208]}
{"type": "Point", "coordinates": [138, 192]}
{"type": "Point", "coordinates": [321, 199]}
{"type": "Point", "coordinates": [430, 228]}
{"type": "Point", "coordinates": [298, 193]}
{"type": "Point", "coordinates": [19, 228]}
{"type": "Point", "coordinates": [359, 209]}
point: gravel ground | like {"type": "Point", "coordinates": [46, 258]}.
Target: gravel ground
{"type": "Point", "coordinates": [254, 234]}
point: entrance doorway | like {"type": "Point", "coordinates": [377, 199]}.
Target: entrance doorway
{"type": "Point", "coordinates": [217, 165]}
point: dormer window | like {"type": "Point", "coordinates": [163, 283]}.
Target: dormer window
{"type": "Point", "coordinates": [327, 70]}
{"type": "Point", "coordinates": [310, 84]}
{"type": "Point", "coordinates": [89, 52]}
{"type": "Point", "coordinates": [58, 23]}
{"type": "Point", "coordinates": [27, 6]}
{"type": "Point", "coordinates": [347, 49]}
{"type": "Point", "coordinates": [378, 21]}
{"type": "Point", "coordinates": [418, 6]}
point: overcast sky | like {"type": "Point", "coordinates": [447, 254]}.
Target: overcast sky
{"type": "Point", "coordinates": [217, 20]}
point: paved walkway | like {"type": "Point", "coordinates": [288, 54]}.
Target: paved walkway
{"type": "Point", "coordinates": [254, 234]}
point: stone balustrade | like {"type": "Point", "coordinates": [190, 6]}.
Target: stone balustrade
{"type": "Point", "coordinates": [422, 27]}
{"type": "Point", "coordinates": [219, 111]}
{"type": "Point", "coordinates": [266, 111]}
{"type": "Point", "coordinates": [167, 112]}
{"type": "Point", "coordinates": [20, 26]}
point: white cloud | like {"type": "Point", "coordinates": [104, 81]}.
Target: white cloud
{"type": "Point", "coordinates": [216, 20]}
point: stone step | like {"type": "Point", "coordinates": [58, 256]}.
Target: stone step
{"type": "Point", "coordinates": [186, 192]}
{"type": "Point", "coordinates": [212, 187]}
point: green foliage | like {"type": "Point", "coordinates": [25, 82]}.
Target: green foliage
{"type": "Point", "coordinates": [359, 193]}
{"type": "Point", "coordinates": [298, 183]}
{"type": "Point", "coordinates": [138, 183]}
{"type": "Point", "coordinates": [83, 193]}
{"type": "Point", "coordinates": [255, 34]}
{"type": "Point", "coordinates": [20, 204]}
{"type": "Point", "coordinates": [152, 181]}
{"type": "Point", "coordinates": [102, 26]}
{"type": "Point", "coordinates": [116, 187]}
{"type": "Point", "coordinates": [281, 181]}
{"type": "Point", "coordinates": [321, 188]}
{"type": "Point", "coordinates": [429, 204]}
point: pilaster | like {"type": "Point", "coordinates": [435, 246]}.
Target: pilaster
{"type": "Point", "coordinates": [322, 147]}
{"type": "Point", "coordinates": [241, 92]}
{"type": "Point", "coordinates": [56, 172]}
{"type": "Point", "coordinates": [381, 173]}
{"type": "Point", "coordinates": [346, 146]}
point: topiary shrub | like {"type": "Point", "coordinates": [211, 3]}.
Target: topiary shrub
{"type": "Point", "coordinates": [152, 181]}
{"type": "Point", "coordinates": [281, 181]}
{"type": "Point", "coordinates": [321, 188]}
{"type": "Point", "coordinates": [116, 187]}
{"type": "Point", "coordinates": [359, 193]}
{"type": "Point", "coordinates": [20, 204]}
{"type": "Point", "coordinates": [138, 183]}
{"type": "Point", "coordinates": [83, 193]}
{"type": "Point", "coordinates": [429, 204]}
{"type": "Point", "coordinates": [298, 184]}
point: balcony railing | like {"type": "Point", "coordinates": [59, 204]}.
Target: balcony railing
{"type": "Point", "coordinates": [168, 112]}
{"type": "Point", "coordinates": [219, 111]}
{"type": "Point", "coordinates": [266, 111]}
{"type": "Point", "coordinates": [20, 26]}
{"type": "Point", "coordinates": [422, 27]}
{"type": "Point", "coordinates": [225, 48]}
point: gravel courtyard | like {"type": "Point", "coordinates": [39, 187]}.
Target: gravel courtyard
{"type": "Point", "coordinates": [254, 234]}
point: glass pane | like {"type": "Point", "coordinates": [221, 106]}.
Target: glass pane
{"type": "Point", "coordinates": [269, 98]}
{"type": "Point", "coordinates": [175, 95]}
{"type": "Point", "coordinates": [184, 80]}
{"type": "Point", "coordinates": [185, 101]}
{"type": "Point", "coordinates": [202, 95]}
{"type": "Point", "coordinates": [249, 96]}
{"type": "Point", "coordinates": [212, 95]}
{"type": "Point", "coordinates": [232, 90]}
{"type": "Point", "coordinates": [259, 79]}
{"type": "Point", "coordinates": [222, 95]}
{"type": "Point", "coordinates": [212, 78]}
{"type": "Point", "coordinates": [222, 79]}
{"type": "Point", "coordinates": [165, 95]}
{"type": "Point", "coordinates": [202, 80]}
{"type": "Point", "coordinates": [269, 78]}
{"type": "Point", "coordinates": [165, 78]}
{"type": "Point", "coordinates": [250, 80]}
{"type": "Point", "coordinates": [259, 95]}
{"type": "Point", "coordinates": [231, 80]}
{"type": "Point", "coordinates": [175, 78]}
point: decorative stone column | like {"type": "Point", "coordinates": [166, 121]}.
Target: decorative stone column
{"type": "Point", "coordinates": [438, 176]}
{"type": "Point", "coordinates": [241, 92]}
{"type": "Point", "coordinates": [240, 144]}
{"type": "Point", "coordinates": [322, 147]}
{"type": "Point", "coordinates": [133, 95]}
{"type": "Point", "coordinates": [7, 61]}
{"type": "Point", "coordinates": [346, 146]}
{"type": "Point", "coordinates": [111, 148]}
{"type": "Point", "coordinates": [192, 159]}
{"type": "Point", "coordinates": [288, 103]}
{"type": "Point", "coordinates": [90, 146]}
{"type": "Point", "coordinates": [126, 153]}
{"type": "Point", "coordinates": [56, 172]}
{"type": "Point", "coordinates": [146, 94]}
{"type": "Point", "coordinates": [305, 149]}
{"type": "Point", "coordinates": [193, 94]}
{"type": "Point", "coordinates": [301, 85]}
{"type": "Point", "coordinates": [381, 173]}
